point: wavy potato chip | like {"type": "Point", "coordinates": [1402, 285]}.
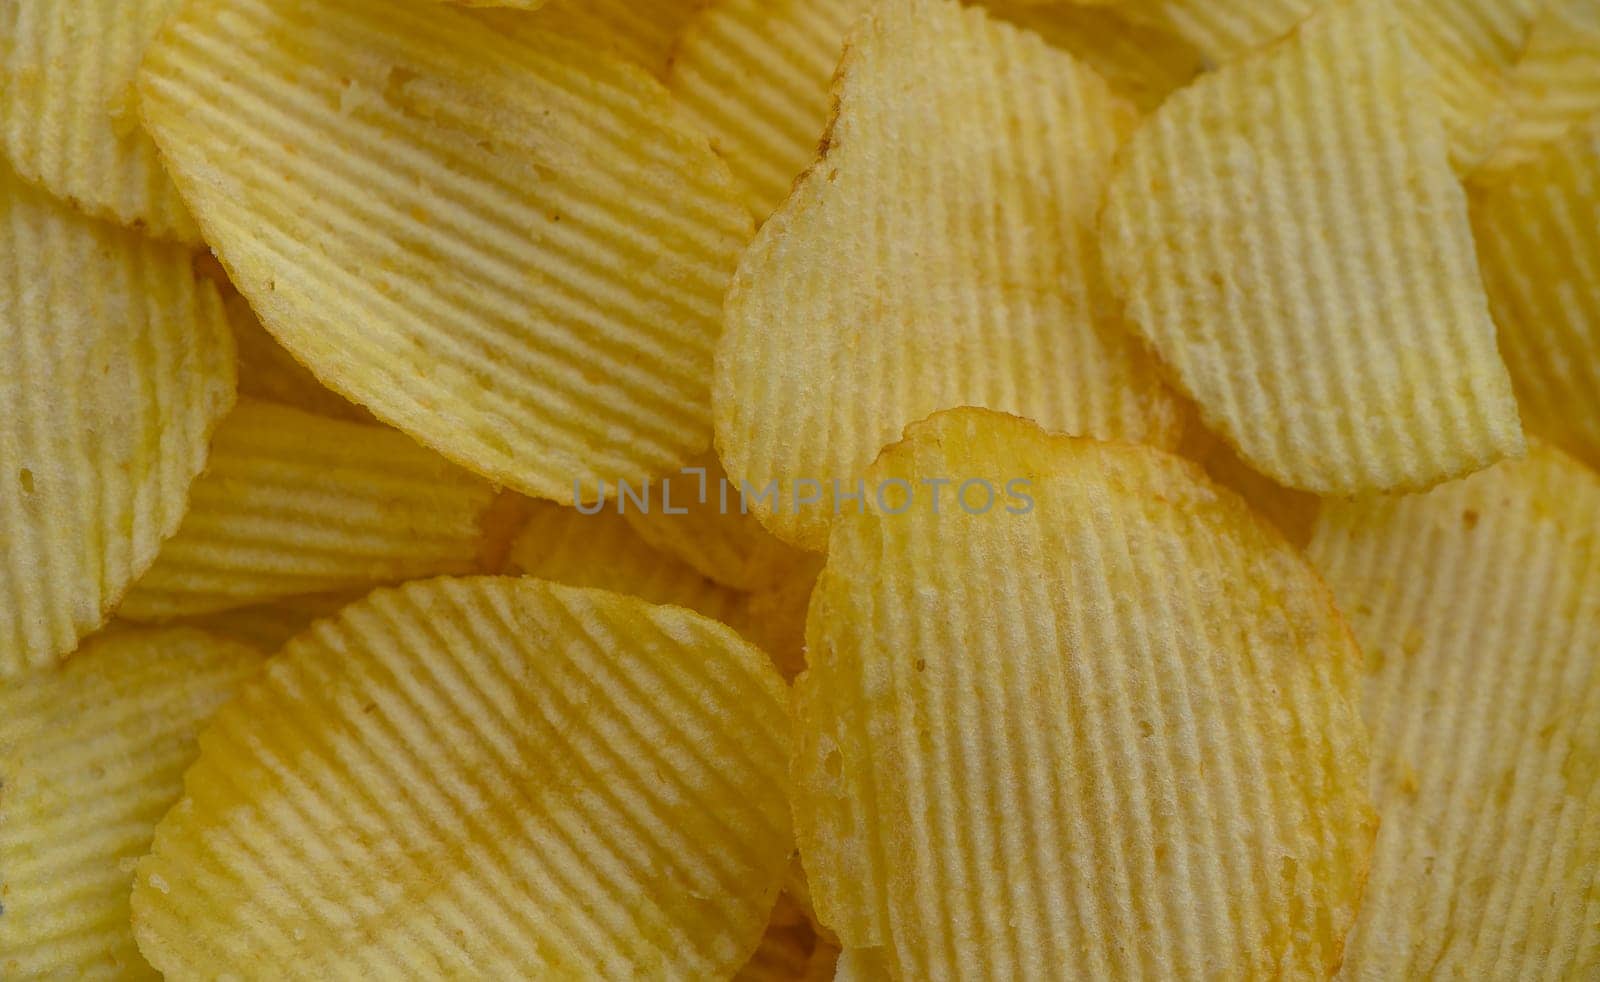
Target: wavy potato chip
{"type": "Point", "coordinates": [641, 31]}
{"type": "Point", "coordinates": [510, 246]}
{"type": "Point", "coordinates": [68, 115]}
{"type": "Point", "coordinates": [267, 370]}
{"type": "Point", "coordinates": [890, 285]}
{"type": "Point", "coordinates": [603, 551]}
{"type": "Point", "coordinates": [1556, 84]}
{"type": "Point", "coordinates": [293, 504]}
{"type": "Point", "coordinates": [483, 777]}
{"type": "Point", "coordinates": [1288, 235]}
{"type": "Point", "coordinates": [1114, 729]}
{"type": "Point", "coordinates": [1221, 30]}
{"type": "Point", "coordinates": [115, 365]}
{"type": "Point", "coordinates": [1538, 234]}
{"type": "Point", "coordinates": [862, 965]}
{"type": "Point", "coordinates": [269, 626]}
{"type": "Point", "coordinates": [92, 754]}
{"type": "Point", "coordinates": [1478, 606]}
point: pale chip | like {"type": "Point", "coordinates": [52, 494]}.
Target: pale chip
{"type": "Point", "coordinates": [1289, 237]}
{"type": "Point", "coordinates": [1555, 86]}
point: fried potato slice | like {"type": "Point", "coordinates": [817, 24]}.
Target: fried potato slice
{"type": "Point", "coordinates": [604, 551]}
{"type": "Point", "coordinates": [1556, 84]}
{"type": "Point", "coordinates": [115, 366]}
{"type": "Point", "coordinates": [641, 31]}
{"type": "Point", "coordinates": [509, 245]}
{"type": "Point", "coordinates": [1116, 728]}
{"type": "Point", "coordinates": [1478, 606]}
{"type": "Point", "coordinates": [69, 118]}
{"type": "Point", "coordinates": [294, 504]}
{"type": "Point", "coordinates": [862, 965]}
{"type": "Point", "coordinates": [269, 626]}
{"type": "Point", "coordinates": [892, 285]}
{"type": "Point", "coordinates": [697, 516]}
{"type": "Point", "coordinates": [92, 754]}
{"type": "Point", "coordinates": [484, 777]}
{"type": "Point", "coordinates": [1289, 237]}
{"type": "Point", "coordinates": [267, 370]}
{"type": "Point", "coordinates": [1538, 234]}
{"type": "Point", "coordinates": [1222, 30]}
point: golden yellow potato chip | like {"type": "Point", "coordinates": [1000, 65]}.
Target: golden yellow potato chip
{"type": "Point", "coordinates": [604, 551]}
{"type": "Point", "coordinates": [69, 114]}
{"type": "Point", "coordinates": [294, 504]}
{"type": "Point", "coordinates": [892, 285]}
{"type": "Point", "coordinates": [115, 365]}
{"type": "Point", "coordinates": [1556, 84]}
{"type": "Point", "coordinates": [269, 626]}
{"type": "Point", "coordinates": [1077, 707]}
{"type": "Point", "coordinates": [642, 31]}
{"type": "Point", "coordinates": [509, 245]}
{"type": "Point", "coordinates": [484, 778]}
{"type": "Point", "coordinates": [1538, 233]}
{"type": "Point", "coordinates": [1221, 30]}
{"type": "Point", "coordinates": [777, 617]}
{"type": "Point", "coordinates": [92, 754]}
{"type": "Point", "coordinates": [862, 965]}
{"type": "Point", "coordinates": [1289, 237]}
{"type": "Point", "coordinates": [267, 370]}
{"type": "Point", "coordinates": [1478, 606]}
{"type": "Point", "coordinates": [696, 515]}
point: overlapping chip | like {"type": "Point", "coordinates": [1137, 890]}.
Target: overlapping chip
{"type": "Point", "coordinates": [1538, 233]}
{"type": "Point", "coordinates": [1109, 721]}
{"type": "Point", "coordinates": [641, 31]}
{"type": "Point", "coordinates": [115, 365]}
{"type": "Point", "coordinates": [518, 248]}
{"type": "Point", "coordinates": [890, 285]}
{"type": "Point", "coordinates": [69, 118]}
{"type": "Point", "coordinates": [777, 616]}
{"type": "Point", "coordinates": [269, 626]}
{"type": "Point", "coordinates": [1293, 512]}
{"type": "Point", "coordinates": [267, 371]}
{"type": "Point", "coordinates": [1478, 607]}
{"type": "Point", "coordinates": [92, 754]}
{"type": "Point", "coordinates": [294, 504]}
{"type": "Point", "coordinates": [484, 777]}
{"type": "Point", "coordinates": [1288, 235]}
{"type": "Point", "coordinates": [1556, 84]}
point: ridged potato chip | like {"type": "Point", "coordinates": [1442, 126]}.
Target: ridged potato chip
{"type": "Point", "coordinates": [697, 516]}
{"type": "Point", "coordinates": [115, 365]}
{"type": "Point", "coordinates": [862, 965]}
{"type": "Point", "coordinates": [1113, 732]}
{"type": "Point", "coordinates": [92, 754]}
{"type": "Point", "coordinates": [1538, 234]}
{"type": "Point", "coordinates": [293, 504]}
{"type": "Point", "coordinates": [267, 370]}
{"type": "Point", "coordinates": [603, 551]}
{"type": "Point", "coordinates": [890, 285]}
{"type": "Point", "coordinates": [515, 247]}
{"type": "Point", "coordinates": [488, 778]}
{"type": "Point", "coordinates": [269, 626]}
{"type": "Point", "coordinates": [68, 115]}
{"type": "Point", "coordinates": [642, 31]}
{"type": "Point", "coordinates": [1288, 235]}
{"type": "Point", "coordinates": [1478, 606]}
{"type": "Point", "coordinates": [1556, 84]}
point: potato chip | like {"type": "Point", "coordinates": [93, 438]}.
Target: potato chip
{"type": "Point", "coordinates": [1221, 30]}
{"type": "Point", "coordinates": [604, 552]}
{"type": "Point", "coordinates": [1539, 242]}
{"type": "Point", "coordinates": [91, 756]}
{"type": "Point", "coordinates": [269, 626]}
{"type": "Point", "coordinates": [267, 370]}
{"type": "Point", "coordinates": [1478, 606]}
{"type": "Point", "coordinates": [115, 365]}
{"type": "Point", "coordinates": [697, 516]}
{"type": "Point", "coordinates": [510, 246]}
{"type": "Point", "coordinates": [1289, 237]}
{"type": "Point", "coordinates": [1114, 727]}
{"type": "Point", "coordinates": [1556, 84]}
{"type": "Point", "coordinates": [485, 778]}
{"type": "Point", "coordinates": [641, 31]}
{"type": "Point", "coordinates": [294, 504]}
{"type": "Point", "coordinates": [69, 114]}
{"type": "Point", "coordinates": [891, 285]}
{"type": "Point", "coordinates": [1293, 512]}
{"type": "Point", "coordinates": [862, 965]}
{"type": "Point", "coordinates": [777, 617]}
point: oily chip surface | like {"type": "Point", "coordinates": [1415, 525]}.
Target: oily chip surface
{"type": "Point", "coordinates": [483, 777]}
{"type": "Point", "coordinates": [1478, 607]}
{"type": "Point", "coordinates": [890, 286]}
{"type": "Point", "coordinates": [1116, 729]}
{"type": "Point", "coordinates": [506, 243]}
{"type": "Point", "coordinates": [1288, 236]}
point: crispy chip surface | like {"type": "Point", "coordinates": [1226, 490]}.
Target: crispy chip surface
{"type": "Point", "coordinates": [115, 365]}
{"type": "Point", "coordinates": [518, 247]}
{"type": "Point", "coordinates": [605, 552]}
{"type": "Point", "coordinates": [483, 777]}
{"type": "Point", "coordinates": [1538, 233]}
{"type": "Point", "coordinates": [1289, 237]}
{"type": "Point", "coordinates": [1478, 607]}
{"type": "Point", "coordinates": [293, 504]}
{"type": "Point", "coordinates": [1556, 84]}
{"type": "Point", "coordinates": [68, 110]}
{"type": "Point", "coordinates": [1116, 731]}
{"type": "Point", "coordinates": [92, 754]}
{"type": "Point", "coordinates": [891, 286]}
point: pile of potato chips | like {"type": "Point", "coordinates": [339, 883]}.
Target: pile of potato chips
{"type": "Point", "coordinates": [800, 489]}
